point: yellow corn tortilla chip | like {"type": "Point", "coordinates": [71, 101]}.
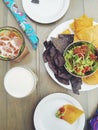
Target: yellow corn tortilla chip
{"type": "Point", "coordinates": [89, 34]}
{"type": "Point", "coordinates": [75, 38]}
{"type": "Point", "coordinates": [72, 26]}
{"type": "Point", "coordinates": [91, 80]}
{"type": "Point", "coordinates": [67, 31]}
{"type": "Point", "coordinates": [82, 23]}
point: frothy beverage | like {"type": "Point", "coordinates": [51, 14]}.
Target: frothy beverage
{"type": "Point", "coordinates": [19, 82]}
{"type": "Point", "coordinates": [11, 43]}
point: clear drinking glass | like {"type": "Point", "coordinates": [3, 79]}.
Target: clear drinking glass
{"type": "Point", "coordinates": [20, 82]}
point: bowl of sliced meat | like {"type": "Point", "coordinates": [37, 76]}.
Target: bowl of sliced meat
{"type": "Point", "coordinates": [12, 43]}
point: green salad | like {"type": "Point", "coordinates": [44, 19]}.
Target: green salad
{"type": "Point", "coordinates": [81, 59]}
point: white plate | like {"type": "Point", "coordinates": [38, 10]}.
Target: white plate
{"type": "Point", "coordinates": [47, 11]}
{"type": "Point", "coordinates": [44, 115]}
{"type": "Point", "coordinates": [59, 29]}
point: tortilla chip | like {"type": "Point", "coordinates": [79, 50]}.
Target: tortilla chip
{"type": "Point", "coordinates": [79, 25]}
{"type": "Point", "coordinates": [72, 26]}
{"type": "Point", "coordinates": [95, 41]}
{"type": "Point", "coordinates": [86, 34]}
{"type": "Point", "coordinates": [89, 34]}
{"type": "Point", "coordinates": [67, 31]}
{"type": "Point", "coordinates": [91, 80]}
{"type": "Point", "coordinates": [62, 41]}
{"type": "Point", "coordinates": [75, 38]}
{"type": "Point", "coordinates": [82, 23]}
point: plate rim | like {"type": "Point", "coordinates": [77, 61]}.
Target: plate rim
{"type": "Point", "coordinates": [84, 86]}
{"type": "Point", "coordinates": [45, 21]}
{"type": "Point", "coordinates": [55, 95]}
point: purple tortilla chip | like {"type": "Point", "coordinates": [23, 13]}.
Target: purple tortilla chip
{"type": "Point", "coordinates": [68, 37]}
{"type": "Point", "coordinates": [48, 44]}
{"type": "Point", "coordinates": [62, 73]}
{"type": "Point", "coordinates": [59, 59]}
{"type": "Point", "coordinates": [46, 57]}
{"type": "Point", "coordinates": [76, 84]}
{"type": "Point", "coordinates": [53, 67]}
{"type": "Point", "coordinates": [64, 81]}
{"type": "Point", "coordinates": [52, 52]}
{"type": "Point", "coordinates": [62, 41]}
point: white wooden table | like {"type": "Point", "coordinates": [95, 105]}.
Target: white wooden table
{"type": "Point", "coordinates": [17, 114]}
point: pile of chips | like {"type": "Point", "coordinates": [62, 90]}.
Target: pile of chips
{"type": "Point", "coordinates": [53, 55]}
{"type": "Point", "coordinates": [86, 29]}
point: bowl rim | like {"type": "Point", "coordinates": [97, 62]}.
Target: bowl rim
{"type": "Point", "coordinates": [79, 76]}
{"type": "Point", "coordinates": [23, 43]}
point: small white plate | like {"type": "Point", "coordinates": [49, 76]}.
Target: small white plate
{"type": "Point", "coordinates": [59, 29]}
{"type": "Point", "coordinates": [44, 116]}
{"type": "Point", "coordinates": [47, 11]}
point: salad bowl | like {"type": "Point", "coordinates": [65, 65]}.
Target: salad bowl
{"type": "Point", "coordinates": [81, 58]}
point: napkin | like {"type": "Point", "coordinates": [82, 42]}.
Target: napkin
{"type": "Point", "coordinates": [22, 20]}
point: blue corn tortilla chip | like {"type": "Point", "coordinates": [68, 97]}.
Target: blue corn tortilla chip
{"type": "Point", "coordinates": [59, 59]}
{"type": "Point", "coordinates": [62, 41]}
{"type": "Point", "coordinates": [76, 84]}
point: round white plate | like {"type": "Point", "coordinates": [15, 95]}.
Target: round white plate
{"type": "Point", "coordinates": [47, 11]}
{"type": "Point", "coordinates": [59, 29]}
{"type": "Point", "coordinates": [44, 115]}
